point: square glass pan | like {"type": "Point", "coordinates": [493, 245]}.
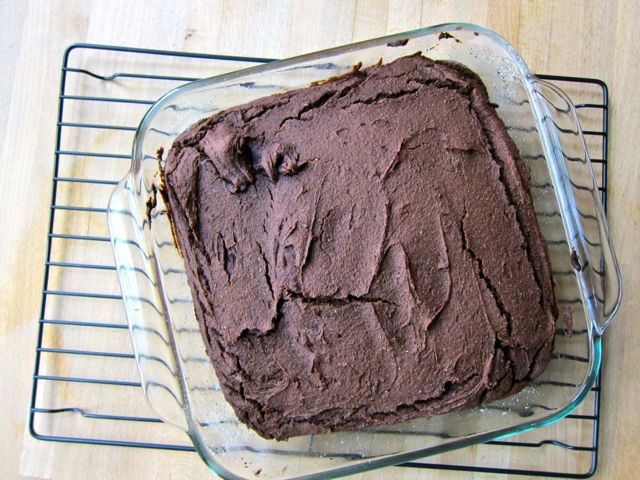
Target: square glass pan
{"type": "Point", "coordinates": [177, 376]}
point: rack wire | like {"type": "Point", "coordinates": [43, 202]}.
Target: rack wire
{"type": "Point", "coordinates": [85, 386]}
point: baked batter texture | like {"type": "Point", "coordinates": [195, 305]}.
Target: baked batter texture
{"type": "Point", "coordinates": [363, 251]}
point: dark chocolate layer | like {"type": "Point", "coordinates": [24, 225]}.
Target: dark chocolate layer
{"type": "Point", "coordinates": [363, 251]}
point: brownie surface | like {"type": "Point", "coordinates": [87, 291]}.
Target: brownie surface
{"type": "Point", "coordinates": [363, 251]}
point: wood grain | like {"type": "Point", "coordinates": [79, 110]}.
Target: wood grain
{"type": "Point", "coordinates": [573, 37]}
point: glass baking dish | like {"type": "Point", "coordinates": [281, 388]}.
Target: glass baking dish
{"type": "Point", "coordinates": [177, 376]}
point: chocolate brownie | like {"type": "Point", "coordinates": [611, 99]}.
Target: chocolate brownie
{"type": "Point", "coordinates": [363, 251]}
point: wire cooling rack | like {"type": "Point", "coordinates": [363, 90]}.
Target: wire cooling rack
{"type": "Point", "coordinates": [85, 385]}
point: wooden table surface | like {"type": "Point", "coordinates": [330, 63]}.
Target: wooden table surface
{"type": "Point", "coordinates": [571, 37]}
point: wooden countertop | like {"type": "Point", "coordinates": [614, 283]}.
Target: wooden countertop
{"type": "Point", "coordinates": [572, 37]}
